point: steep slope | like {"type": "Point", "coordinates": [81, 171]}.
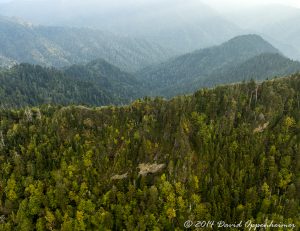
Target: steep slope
{"type": "Point", "coordinates": [58, 46]}
{"type": "Point", "coordinates": [102, 74]}
{"type": "Point", "coordinates": [257, 68]}
{"type": "Point", "coordinates": [261, 67]}
{"type": "Point", "coordinates": [230, 153]}
{"type": "Point", "coordinates": [29, 85]}
{"type": "Point", "coordinates": [202, 63]}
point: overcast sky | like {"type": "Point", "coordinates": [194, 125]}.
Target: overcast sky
{"type": "Point", "coordinates": [84, 6]}
{"type": "Point", "coordinates": [217, 3]}
{"type": "Point", "coordinates": [236, 4]}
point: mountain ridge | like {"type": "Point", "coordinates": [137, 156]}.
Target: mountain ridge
{"type": "Point", "coordinates": [63, 46]}
{"type": "Point", "coordinates": [182, 26]}
{"type": "Point", "coordinates": [31, 85]}
{"type": "Point", "coordinates": [259, 68]}
{"type": "Point", "coordinates": [202, 62]}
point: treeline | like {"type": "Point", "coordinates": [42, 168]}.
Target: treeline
{"type": "Point", "coordinates": [231, 153]}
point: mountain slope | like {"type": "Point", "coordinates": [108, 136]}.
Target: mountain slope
{"type": "Point", "coordinates": [29, 85]}
{"type": "Point", "coordinates": [261, 67]}
{"type": "Point", "coordinates": [281, 27]}
{"type": "Point", "coordinates": [202, 63]}
{"type": "Point", "coordinates": [58, 46]}
{"type": "Point", "coordinates": [100, 73]}
{"type": "Point", "coordinates": [231, 153]}
{"type": "Point", "coordinates": [179, 25]}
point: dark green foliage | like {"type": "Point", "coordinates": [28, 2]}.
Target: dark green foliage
{"type": "Point", "coordinates": [231, 153]}
{"type": "Point", "coordinates": [258, 68]}
{"type": "Point", "coordinates": [241, 58]}
{"type": "Point", "coordinates": [119, 84]}
{"type": "Point", "coordinates": [97, 83]}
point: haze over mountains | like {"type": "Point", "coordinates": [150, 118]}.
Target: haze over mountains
{"type": "Point", "coordinates": [281, 27]}
{"type": "Point", "coordinates": [156, 42]}
{"type": "Point", "coordinates": [99, 83]}
{"type": "Point", "coordinates": [182, 26]}
{"type": "Point", "coordinates": [62, 46]}
{"type": "Point", "coordinates": [241, 58]}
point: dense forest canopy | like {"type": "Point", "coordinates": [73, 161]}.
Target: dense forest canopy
{"type": "Point", "coordinates": [231, 153]}
{"type": "Point", "coordinates": [95, 84]}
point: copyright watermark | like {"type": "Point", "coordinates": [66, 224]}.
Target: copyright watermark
{"type": "Point", "coordinates": [247, 225]}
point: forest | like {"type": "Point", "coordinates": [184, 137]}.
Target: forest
{"type": "Point", "coordinates": [96, 83]}
{"type": "Point", "coordinates": [226, 154]}
{"type": "Point", "coordinates": [243, 57]}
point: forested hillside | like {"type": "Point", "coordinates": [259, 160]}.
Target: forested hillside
{"type": "Point", "coordinates": [231, 153]}
{"type": "Point", "coordinates": [118, 83]}
{"type": "Point", "coordinates": [177, 75]}
{"type": "Point", "coordinates": [62, 46]}
{"type": "Point", "coordinates": [259, 68]}
{"type": "Point", "coordinates": [96, 84]}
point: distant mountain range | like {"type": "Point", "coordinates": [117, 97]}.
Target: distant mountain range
{"type": "Point", "coordinates": [100, 83]}
{"type": "Point", "coordinates": [62, 46]}
{"type": "Point", "coordinates": [182, 26]}
{"type": "Point", "coordinates": [241, 58]}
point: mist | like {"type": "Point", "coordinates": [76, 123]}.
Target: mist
{"type": "Point", "coordinates": [180, 25]}
{"type": "Point", "coordinates": [113, 14]}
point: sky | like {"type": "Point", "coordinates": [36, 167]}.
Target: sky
{"type": "Point", "coordinates": [21, 9]}
{"type": "Point", "coordinates": [228, 5]}
{"type": "Point", "coordinates": [217, 3]}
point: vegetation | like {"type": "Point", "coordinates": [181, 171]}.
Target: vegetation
{"type": "Point", "coordinates": [259, 68]}
{"type": "Point", "coordinates": [231, 153]}
{"type": "Point", "coordinates": [119, 84]}
{"type": "Point", "coordinates": [241, 58]}
{"type": "Point", "coordinates": [97, 83]}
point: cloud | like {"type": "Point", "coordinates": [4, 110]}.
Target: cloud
{"type": "Point", "coordinates": [232, 5]}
